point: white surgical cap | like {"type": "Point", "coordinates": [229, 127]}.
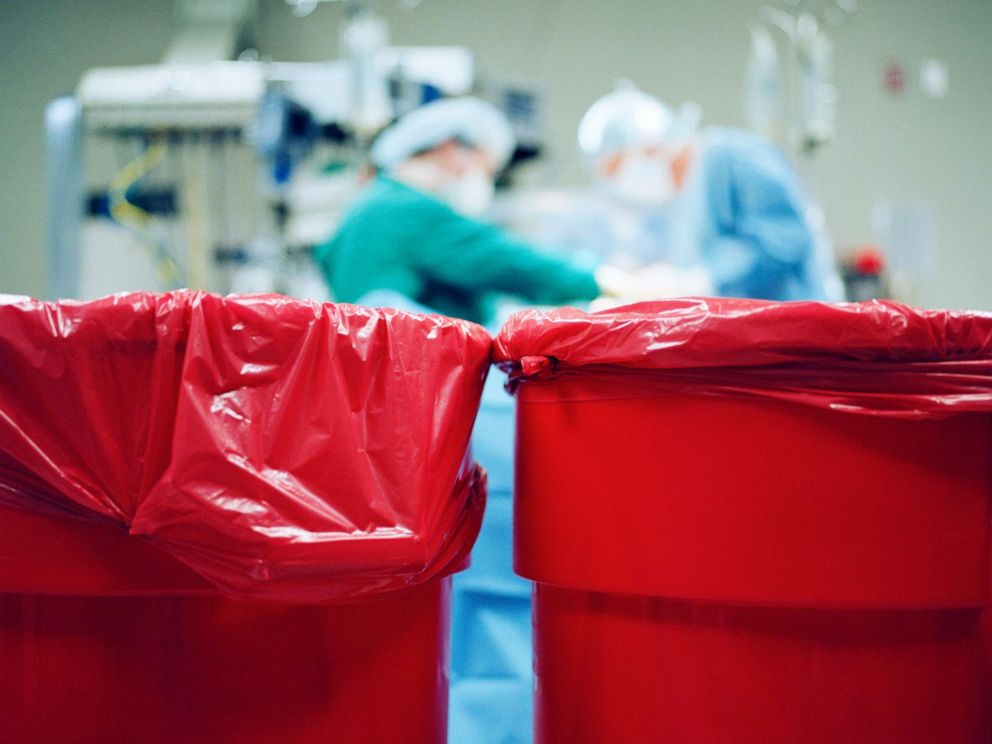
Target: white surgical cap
{"type": "Point", "coordinates": [470, 120]}
{"type": "Point", "coordinates": [629, 117]}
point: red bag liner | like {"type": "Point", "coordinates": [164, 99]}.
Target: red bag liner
{"type": "Point", "coordinates": [876, 358]}
{"type": "Point", "coordinates": [283, 450]}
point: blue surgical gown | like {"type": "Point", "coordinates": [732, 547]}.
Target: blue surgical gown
{"type": "Point", "coordinates": [742, 214]}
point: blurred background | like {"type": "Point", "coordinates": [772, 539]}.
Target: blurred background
{"type": "Point", "coordinates": [183, 172]}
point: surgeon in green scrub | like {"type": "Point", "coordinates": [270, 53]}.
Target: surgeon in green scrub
{"type": "Point", "coordinates": [416, 230]}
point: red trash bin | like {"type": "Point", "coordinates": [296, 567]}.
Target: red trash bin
{"type": "Point", "coordinates": [230, 520]}
{"type": "Point", "coordinates": [755, 522]}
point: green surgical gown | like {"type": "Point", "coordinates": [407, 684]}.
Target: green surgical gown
{"type": "Point", "coordinates": [398, 238]}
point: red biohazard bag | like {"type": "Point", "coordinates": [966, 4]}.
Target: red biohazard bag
{"type": "Point", "coordinates": [877, 358]}
{"type": "Point", "coordinates": [283, 450]}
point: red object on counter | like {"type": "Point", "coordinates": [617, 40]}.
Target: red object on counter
{"type": "Point", "coordinates": [868, 260]}
{"type": "Point", "coordinates": [231, 519]}
{"type": "Point", "coordinates": [733, 540]}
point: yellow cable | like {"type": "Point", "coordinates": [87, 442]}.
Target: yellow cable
{"type": "Point", "coordinates": [129, 175]}
{"type": "Point", "coordinates": [134, 217]}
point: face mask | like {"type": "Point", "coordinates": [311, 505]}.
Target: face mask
{"type": "Point", "coordinates": [643, 181]}
{"type": "Point", "coordinates": [470, 194]}
{"type": "Point", "coordinates": [420, 174]}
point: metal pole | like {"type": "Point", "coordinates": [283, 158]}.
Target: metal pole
{"type": "Point", "coordinates": [64, 149]}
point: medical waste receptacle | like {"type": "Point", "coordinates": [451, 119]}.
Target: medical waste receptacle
{"type": "Point", "coordinates": [755, 522]}
{"type": "Point", "coordinates": [231, 519]}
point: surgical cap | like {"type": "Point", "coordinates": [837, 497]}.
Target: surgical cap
{"type": "Point", "coordinates": [470, 120]}
{"type": "Point", "coordinates": [628, 118]}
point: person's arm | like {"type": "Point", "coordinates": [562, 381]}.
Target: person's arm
{"type": "Point", "coordinates": [474, 255]}
{"type": "Point", "coordinates": [762, 238]}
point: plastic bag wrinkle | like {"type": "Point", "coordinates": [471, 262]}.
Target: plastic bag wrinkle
{"type": "Point", "coordinates": [876, 358]}
{"type": "Point", "coordinates": [281, 449]}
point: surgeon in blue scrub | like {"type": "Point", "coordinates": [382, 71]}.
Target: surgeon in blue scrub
{"type": "Point", "coordinates": [735, 205]}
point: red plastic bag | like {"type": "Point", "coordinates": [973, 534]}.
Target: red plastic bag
{"type": "Point", "coordinates": [284, 450]}
{"type": "Point", "coordinates": [877, 358]}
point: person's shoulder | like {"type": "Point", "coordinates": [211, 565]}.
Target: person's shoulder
{"type": "Point", "coordinates": [400, 201]}
{"type": "Point", "coordinates": [728, 142]}
{"type": "Point", "coordinates": [741, 151]}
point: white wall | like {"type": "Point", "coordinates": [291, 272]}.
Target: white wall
{"type": "Point", "coordinates": [908, 148]}
{"type": "Point", "coordinates": [45, 48]}
{"type": "Point", "coordinates": [913, 148]}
